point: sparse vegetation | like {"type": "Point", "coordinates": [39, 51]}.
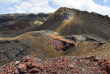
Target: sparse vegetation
{"type": "Point", "coordinates": [77, 33]}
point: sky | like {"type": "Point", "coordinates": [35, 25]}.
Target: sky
{"type": "Point", "coordinates": [48, 6]}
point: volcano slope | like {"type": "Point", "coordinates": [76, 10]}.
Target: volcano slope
{"type": "Point", "coordinates": [44, 44]}
{"type": "Point", "coordinates": [12, 49]}
{"type": "Point", "coordinates": [68, 21]}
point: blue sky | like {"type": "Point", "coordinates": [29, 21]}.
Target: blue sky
{"type": "Point", "coordinates": [101, 2]}
{"type": "Point", "coordinates": [47, 6]}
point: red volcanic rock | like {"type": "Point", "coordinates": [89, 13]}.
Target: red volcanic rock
{"type": "Point", "coordinates": [102, 61]}
{"type": "Point", "coordinates": [59, 65]}
{"type": "Point", "coordinates": [34, 70]}
{"type": "Point", "coordinates": [22, 68]}
{"type": "Point", "coordinates": [75, 71]}
{"type": "Point", "coordinates": [105, 65]}
{"type": "Point", "coordinates": [108, 62]}
{"type": "Point", "coordinates": [16, 71]}
{"type": "Point", "coordinates": [26, 59]}
{"type": "Point", "coordinates": [39, 65]}
{"type": "Point", "coordinates": [33, 65]}
{"type": "Point", "coordinates": [92, 58]}
{"type": "Point", "coordinates": [60, 44]}
{"type": "Point", "coordinates": [29, 60]}
{"type": "Point", "coordinates": [65, 59]}
{"type": "Point", "coordinates": [47, 58]}
{"type": "Point", "coordinates": [56, 64]}
{"type": "Point", "coordinates": [109, 67]}
{"type": "Point", "coordinates": [9, 71]}
{"type": "Point", "coordinates": [94, 67]}
{"type": "Point", "coordinates": [54, 72]}
{"type": "Point", "coordinates": [93, 51]}
{"type": "Point", "coordinates": [70, 66]}
{"type": "Point", "coordinates": [62, 67]}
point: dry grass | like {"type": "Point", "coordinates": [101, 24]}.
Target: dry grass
{"type": "Point", "coordinates": [102, 51]}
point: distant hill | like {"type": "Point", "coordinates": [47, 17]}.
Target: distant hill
{"type": "Point", "coordinates": [20, 23]}
{"type": "Point", "coordinates": [68, 21]}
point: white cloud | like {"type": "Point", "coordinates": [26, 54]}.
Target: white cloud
{"type": "Point", "coordinates": [88, 5]}
{"type": "Point", "coordinates": [9, 1]}
{"type": "Point", "coordinates": [105, 1]}
{"type": "Point", "coordinates": [32, 6]}
{"type": "Point", "coordinates": [36, 6]}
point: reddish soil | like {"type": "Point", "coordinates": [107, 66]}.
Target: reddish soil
{"type": "Point", "coordinates": [60, 43]}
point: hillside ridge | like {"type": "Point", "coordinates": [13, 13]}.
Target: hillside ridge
{"type": "Point", "coordinates": [72, 21]}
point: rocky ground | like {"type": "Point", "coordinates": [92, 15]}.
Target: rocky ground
{"type": "Point", "coordinates": [80, 37]}
{"type": "Point", "coordinates": [59, 65]}
{"type": "Point", "coordinates": [47, 44]}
